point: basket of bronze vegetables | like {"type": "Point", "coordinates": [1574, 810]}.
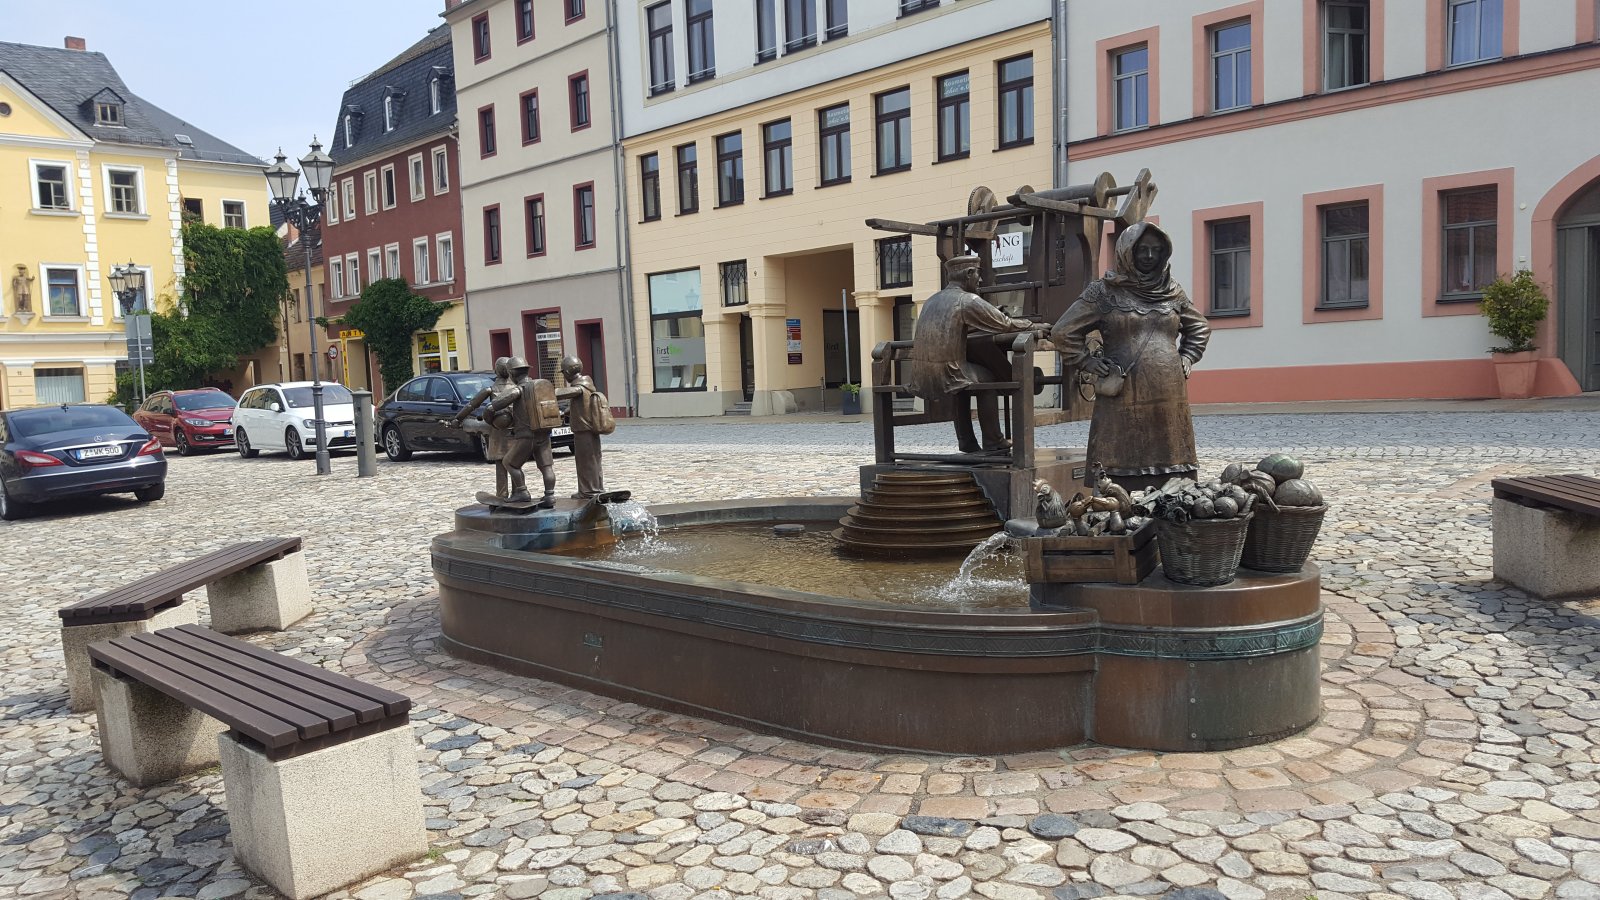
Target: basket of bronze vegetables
{"type": "Point", "coordinates": [1201, 527]}
{"type": "Point", "coordinates": [1281, 535]}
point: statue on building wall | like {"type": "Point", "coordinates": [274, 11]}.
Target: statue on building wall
{"type": "Point", "coordinates": [22, 291]}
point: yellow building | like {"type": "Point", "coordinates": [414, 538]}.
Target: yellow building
{"type": "Point", "coordinates": [755, 278]}
{"type": "Point", "coordinates": [91, 177]}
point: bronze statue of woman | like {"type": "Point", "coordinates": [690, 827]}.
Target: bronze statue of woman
{"type": "Point", "coordinates": [1141, 433]}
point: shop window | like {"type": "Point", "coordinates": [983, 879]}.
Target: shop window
{"type": "Point", "coordinates": [677, 334]}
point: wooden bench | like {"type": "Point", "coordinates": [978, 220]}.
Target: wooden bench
{"type": "Point", "coordinates": [320, 769]}
{"type": "Point", "coordinates": [1547, 534]}
{"type": "Point", "coordinates": [251, 585]}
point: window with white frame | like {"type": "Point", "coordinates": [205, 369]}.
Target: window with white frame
{"type": "Point", "coordinates": [391, 261]}
{"type": "Point", "coordinates": [1130, 88]}
{"type": "Point", "coordinates": [433, 96]}
{"type": "Point", "coordinates": [348, 195]}
{"type": "Point", "coordinates": [445, 248]}
{"type": "Point", "coordinates": [52, 185]}
{"type": "Point", "coordinates": [389, 191]}
{"type": "Point", "coordinates": [124, 191]}
{"type": "Point", "coordinates": [369, 184]}
{"type": "Point", "coordinates": [419, 261]}
{"type": "Point", "coordinates": [233, 214]}
{"type": "Point", "coordinates": [352, 275]}
{"type": "Point", "coordinates": [336, 276]}
{"type": "Point", "coordinates": [374, 264]}
{"type": "Point", "coordinates": [63, 291]}
{"type": "Point", "coordinates": [332, 208]}
{"type": "Point", "coordinates": [418, 177]}
{"type": "Point", "coordinates": [1474, 30]}
{"type": "Point", "coordinates": [1230, 66]}
{"type": "Point", "coordinates": [441, 170]}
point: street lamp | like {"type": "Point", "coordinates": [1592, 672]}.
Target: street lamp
{"type": "Point", "coordinates": [127, 282]}
{"type": "Point", "coordinates": [306, 217]}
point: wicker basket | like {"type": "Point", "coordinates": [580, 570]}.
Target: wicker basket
{"type": "Point", "coordinates": [1202, 552]}
{"type": "Point", "coordinates": [1281, 541]}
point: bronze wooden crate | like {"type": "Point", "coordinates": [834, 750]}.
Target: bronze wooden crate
{"type": "Point", "coordinates": [1119, 559]}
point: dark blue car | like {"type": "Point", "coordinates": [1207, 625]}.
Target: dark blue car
{"type": "Point", "coordinates": [50, 452]}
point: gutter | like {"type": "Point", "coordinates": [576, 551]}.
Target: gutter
{"type": "Point", "coordinates": [624, 249]}
{"type": "Point", "coordinates": [1058, 91]}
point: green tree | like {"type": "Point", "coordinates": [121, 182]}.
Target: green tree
{"type": "Point", "coordinates": [389, 315]}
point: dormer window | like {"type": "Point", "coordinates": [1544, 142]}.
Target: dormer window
{"type": "Point", "coordinates": [388, 113]}
{"type": "Point", "coordinates": [349, 131]}
{"type": "Point", "coordinates": [106, 113]}
{"type": "Point", "coordinates": [433, 96]}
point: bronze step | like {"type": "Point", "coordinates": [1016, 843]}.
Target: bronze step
{"type": "Point", "coordinates": [911, 548]}
{"type": "Point", "coordinates": [874, 515]}
{"type": "Point", "coordinates": [906, 512]}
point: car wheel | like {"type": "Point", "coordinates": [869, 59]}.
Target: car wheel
{"type": "Point", "coordinates": [483, 447]}
{"type": "Point", "coordinates": [152, 493]}
{"type": "Point", "coordinates": [394, 446]}
{"type": "Point", "coordinates": [291, 443]}
{"type": "Point", "coordinates": [10, 510]}
{"type": "Point", "coordinates": [182, 440]}
{"type": "Point", "coordinates": [242, 444]}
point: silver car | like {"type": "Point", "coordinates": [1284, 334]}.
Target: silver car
{"type": "Point", "coordinates": [50, 452]}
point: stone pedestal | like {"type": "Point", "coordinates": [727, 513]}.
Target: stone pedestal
{"type": "Point", "coordinates": [1546, 552]}
{"type": "Point", "coordinates": [315, 823]}
{"type": "Point", "coordinates": [75, 641]}
{"type": "Point", "coordinates": [148, 737]}
{"type": "Point", "coordinates": [266, 597]}
{"type": "Point", "coordinates": [571, 523]}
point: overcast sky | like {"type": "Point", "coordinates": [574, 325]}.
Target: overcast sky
{"type": "Point", "coordinates": [255, 74]}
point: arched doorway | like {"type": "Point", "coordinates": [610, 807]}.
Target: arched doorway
{"type": "Point", "coordinates": [1577, 285]}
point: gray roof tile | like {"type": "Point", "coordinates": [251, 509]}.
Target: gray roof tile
{"type": "Point", "coordinates": [407, 77]}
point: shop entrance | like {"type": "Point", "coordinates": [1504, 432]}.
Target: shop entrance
{"type": "Point", "coordinates": [1578, 288]}
{"type": "Point", "coordinates": [747, 358]}
{"type": "Point", "coordinates": [834, 348]}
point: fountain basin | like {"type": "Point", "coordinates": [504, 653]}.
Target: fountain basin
{"type": "Point", "coordinates": [867, 674]}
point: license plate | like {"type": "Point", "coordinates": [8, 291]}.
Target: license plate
{"type": "Point", "coordinates": [349, 432]}
{"type": "Point", "coordinates": [103, 452]}
{"type": "Point", "coordinates": [560, 432]}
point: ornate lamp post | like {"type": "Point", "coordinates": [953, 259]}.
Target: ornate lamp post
{"type": "Point", "coordinates": [306, 217]}
{"type": "Point", "coordinates": [127, 282]}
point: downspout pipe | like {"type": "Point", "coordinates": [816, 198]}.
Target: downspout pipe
{"type": "Point", "coordinates": [1058, 90]}
{"type": "Point", "coordinates": [624, 248]}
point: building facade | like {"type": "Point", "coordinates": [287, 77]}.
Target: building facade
{"type": "Point", "coordinates": [93, 176]}
{"type": "Point", "coordinates": [541, 206]}
{"type": "Point", "coordinates": [394, 209]}
{"type": "Point", "coordinates": [760, 138]}
{"type": "Point", "coordinates": [1342, 178]}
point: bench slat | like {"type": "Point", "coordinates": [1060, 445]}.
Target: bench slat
{"type": "Point", "coordinates": [391, 702]}
{"type": "Point", "coordinates": [342, 709]}
{"type": "Point", "coordinates": [1575, 493]}
{"type": "Point", "coordinates": [139, 598]}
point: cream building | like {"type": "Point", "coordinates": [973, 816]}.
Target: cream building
{"type": "Point", "coordinates": [761, 136]}
{"type": "Point", "coordinates": [93, 176]}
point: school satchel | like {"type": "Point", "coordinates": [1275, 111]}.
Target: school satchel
{"type": "Point", "coordinates": [544, 413]}
{"type": "Point", "coordinates": [600, 413]}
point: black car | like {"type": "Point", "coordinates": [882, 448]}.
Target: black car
{"type": "Point", "coordinates": [49, 452]}
{"type": "Point", "coordinates": [412, 418]}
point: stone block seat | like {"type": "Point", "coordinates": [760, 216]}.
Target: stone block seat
{"type": "Point", "coordinates": [320, 770]}
{"type": "Point", "coordinates": [1547, 534]}
{"type": "Point", "coordinates": [251, 585]}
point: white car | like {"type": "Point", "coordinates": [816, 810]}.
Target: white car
{"type": "Point", "coordinates": [281, 417]}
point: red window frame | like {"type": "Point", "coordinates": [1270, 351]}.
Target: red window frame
{"type": "Point", "coordinates": [481, 49]}
{"type": "Point", "coordinates": [577, 217]}
{"type": "Point", "coordinates": [517, 11]}
{"type": "Point", "coordinates": [492, 254]}
{"type": "Point", "coordinates": [543, 229]}
{"type": "Point", "coordinates": [488, 136]}
{"type": "Point", "coordinates": [572, 100]}
{"type": "Point", "coordinates": [522, 115]}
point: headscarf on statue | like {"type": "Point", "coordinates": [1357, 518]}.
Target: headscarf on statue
{"type": "Point", "coordinates": [1125, 288]}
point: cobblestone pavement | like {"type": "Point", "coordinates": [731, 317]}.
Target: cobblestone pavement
{"type": "Point", "coordinates": [1457, 756]}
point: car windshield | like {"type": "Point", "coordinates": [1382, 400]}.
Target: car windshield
{"type": "Point", "coordinates": [50, 419]}
{"type": "Point", "coordinates": [207, 400]}
{"type": "Point", "coordinates": [469, 385]}
{"type": "Point", "coordinates": [332, 395]}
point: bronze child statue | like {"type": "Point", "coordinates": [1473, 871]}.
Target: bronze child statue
{"type": "Point", "coordinates": [590, 416]}
{"type": "Point", "coordinates": [497, 427]}
{"type": "Point", "coordinates": [532, 404]}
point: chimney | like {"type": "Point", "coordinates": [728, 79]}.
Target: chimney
{"type": "Point", "coordinates": [452, 4]}
{"type": "Point", "coordinates": [75, 43]}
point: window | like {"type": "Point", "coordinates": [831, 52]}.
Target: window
{"type": "Point", "coordinates": [233, 214]}
{"type": "Point", "coordinates": [530, 116]}
{"type": "Point", "coordinates": [838, 19]}
{"type": "Point", "coordinates": [730, 169]}
{"type": "Point", "coordinates": [677, 335]}
{"type": "Point", "coordinates": [491, 235]}
{"type": "Point", "coordinates": [833, 130]}
{"type": "Point", "coordinates": [1016, 101]}
{"type": "Point", "coordinates": [894, 262]}
{"type": "Point", "coordinates": [389, 191]}
{"type": "Point", "coordinates": [894, 130]}
{"type": "Point", "coordinates": [122, 192]}
{"type": "Point", "coordinates": [955, 114]}
{"type": "Point", "coordinates": [348, 193]}
{"type": "Point", "coordinates": [1471, 230]}
{"type": "Point", "coordinates": [370, 191]}
{"type": "Point", "coordinates": [1475, 30]}
{"type": "Point", "coordinates": [419, 261]}
{"type": "Point", "coordinates": [349, 131]}
{"type": "Point", "coordinates": [702, 42]}
{"type": "Point", "coordinates": [374, 265]}
{"type": "Point", "coordinates": [658, 19]}
{"type": "Point", "coordinates": [1230, 268]}
{"type": "Point", "coordinates": [799, 24]}
{"type": "Point", "coordinates": [62, 292]}
{"type": "Point", "coordinates": [441, 170]}
{"type": "Point", "coordinates": [735, 283]}
{"type": "Point", "coordinates": [331, 209]}
{"type": "Point", "coordinates": [435, 100]}
{"type": "Point", "coordinates": [445, 246]}
{"type": "Point", "coordinates": [583, 216]}
{"type": "Point", "coordinates": [688, 180]}
{"type": "Point", "coordinates": [1345, 44]}
{"type": "Point", "coordinates": [533, 211]}
{"type": "Point", "coordinates": [650, 185]}
{"type": "Point", "coordinates": [1345, 246]}
{"type": "Point", "coordinates": [1130, 87]}
{"type": "Point", "coordinates": [766, 30]}
{"type": "Point", "coordinates": [417, 177]}
{"type": "Point", "coordinates": [192, 207]}
{"type": "Point", "coordinates": [107, 113]}
{"type": "Point", "coordinates": [1230, 66]}
{"type": "Point", "coordinates": [391, 261]}
{"type": "Point", "coordinates": [336, 277]}
{"type": "Point", "coordinates": [524, 20]}
{"type": "Point", "coordinates": [53, 386]}
{"type": "Point", "coordinates": [388, 113]}
{"type": "Point", "coordinates": [574, 10]}
{"type": "Point", "coordinates": [578, 95]}
{"type": "Point", "coordinates": [777, 141]}
{"type": "Point", "coordinates": [486, 135]}
{"type": "Point", "coordinates": [51, 189]}
{"type": "Point", "coordinates": [352, 275]}
{"type": "Point", "coordinates": [907, 7]}
{"type": "Point", "coordinates": [480, 37]}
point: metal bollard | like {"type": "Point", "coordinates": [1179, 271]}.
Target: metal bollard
{"type": "Point", "coordinates": [366, 450]}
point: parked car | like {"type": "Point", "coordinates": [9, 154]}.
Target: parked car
{"type": "Point", "coordinates": [410, 420]}
{"type": "Point", "coordinates": [49, 452]}
{"type": "Point", "coordinates": [281, 417]}
{"type": "Point", "coordinates": [188, 420]}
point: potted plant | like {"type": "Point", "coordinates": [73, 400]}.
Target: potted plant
{"type": "Point", "coordinates": [850, 399]}
{"type": "Point", "coordinates": [1514, 308]}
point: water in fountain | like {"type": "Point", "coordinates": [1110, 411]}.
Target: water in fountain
{"type": "Point", "coordinates": [969, 580]}
{"type": "Point", "coordinates": [632, 519]}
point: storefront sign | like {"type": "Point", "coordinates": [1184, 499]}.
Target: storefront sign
{"type": "Point", "coordinates": [1006, 250]}
{"type": "Point", "coordinates": [351, 334]}
{"type": "Point", "coordinates": [792, 326]}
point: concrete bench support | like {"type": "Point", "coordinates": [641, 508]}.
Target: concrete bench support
{"type": "Point", "coordinates": [75, 640]}
{"type": "Point", "coordinates": [1546, 552]}
{"type": "Point", "coordinates": [148, 737]}
{"type": "Point", "coordinates": [270, 596]}
{"type": "Point", "coordinates": [314, 823]}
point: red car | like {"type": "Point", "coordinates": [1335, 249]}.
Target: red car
{"type": "Point", "coordinates": [188, 420]}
